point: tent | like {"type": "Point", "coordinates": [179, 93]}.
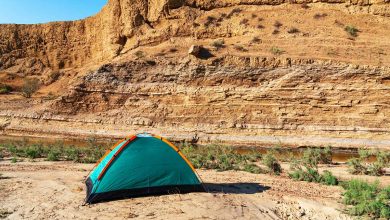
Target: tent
{"type": "Point", "coordinates": [140, 165]}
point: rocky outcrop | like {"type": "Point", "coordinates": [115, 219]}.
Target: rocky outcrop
{"type": "Point", "coordinates": [127, 69]}
{"type": "Point", "coordinates": [59, 45]}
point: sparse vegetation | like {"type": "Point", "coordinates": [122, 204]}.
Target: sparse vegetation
{"type": "Point", "coordinates": [365, 164]}
{"type": "Point", "coordinates": [233, 12]}
{"type": "Point", "coordinates": [30, 86]}
{"type": "Point", "coordinates": [209, 20]}
{"type": "Point", "coordinates": [260, 26]}
{"type": "Point", "coordinates": [139, 54]}
{"type": "Point", "coordinates": [275, 32]}
{"type": "Point", "coordinates": [244, 22]}
{"type": "Point", "coordinates": [306, 169]}
{"type": "Point", "coordinates": [54, 152]}
{"type": "Point", "coordinates": [367, 199]}
{"type": "Point", "coordinates": [351, 30]}
{"type": "Point", "coordinates": [5, 89]}
{"type": "Point", "coordinates": [54, 76]}
{"type": "Point", "coordinates": [220, 43]}
{"type": "Point", "coordinates": [221, 158]}
{"type": "Point", "coordinates": [319, 15]}
{"type": "Point", "coordinates": [277, 24]}
{"type": "Point", "coordinates": [293, 30]}
{"type": "Point", "coordinates": [314, 156]}
{"type": "Point", "coordinates": [276, 51]}
{"type": "Point", "coordinates": [273, 165]}
{"type": "Point", "coordinates": [240, 48]}
{"type": "Point", "coordinates": [256, 40]}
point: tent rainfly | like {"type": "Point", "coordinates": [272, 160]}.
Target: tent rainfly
{"type": "Point", "coordinates": [141, 165]}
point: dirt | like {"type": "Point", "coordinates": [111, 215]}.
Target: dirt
{"type": "Point", "coordinates": [55, 190]}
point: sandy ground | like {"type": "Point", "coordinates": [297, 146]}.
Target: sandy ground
{"type": "Point", "coordinates": [55, 190]}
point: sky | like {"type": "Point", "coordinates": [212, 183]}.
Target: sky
{"type": "Point", "coordinates": [42, 11]}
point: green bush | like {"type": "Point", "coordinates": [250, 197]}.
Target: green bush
{"type": "Point", "coordinates": [363, 165]}
{"type": "Point", "coordinates": [276, 51]}
{"type": "Point", "coordinates": [312, 175]}
{"type": "Point", "coordinates": [351, 30]}
{"type": "Point", "coordinates": [4, 89]}
{"type": "Point", "coordinates": [14, 160]}
{"type": "Point", "coordinates": [53, 155]}
{"type": "Point", "coordinates": [367, 199]}
{"type": "Point", "coordinates": [328, 178]}
{"type": "Point", "coordinates": [33, 152]}
{"type": "Point", "coordinates": [221, 158]}
{"type": "Point", "coordinates": [314, 156]}
{"type": "Point", "coordinates": [272, 163]}
{"type": "Point", "coordinates": [56, 151]}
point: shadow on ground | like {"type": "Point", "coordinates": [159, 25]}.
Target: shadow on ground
{"type": "Point", "coordinates": [235, 188]}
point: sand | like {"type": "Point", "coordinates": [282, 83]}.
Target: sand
{"type": "Point", "coordinates": [55, 190]}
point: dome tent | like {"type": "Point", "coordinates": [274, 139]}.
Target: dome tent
{"type": "Point", "coordinates": [139, 165]}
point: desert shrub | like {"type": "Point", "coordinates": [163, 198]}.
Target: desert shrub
{"type": "Point", "coordinates": [367, 199]}
{"type": "Point", "coordinates": [72, 154]}
{"type": "Point", "coordinates": [220, 158]}
{"type": "Point", "coordinates": [14, 160]}
{"type": "Point", "coordinates": [312, 175]}
{"type": "Point", "coordinates": [314, 156]}
{"type": "Point", "coordinates": [260, 26]}
{"type": "Point", "coordinates": [277, 24]}
{"type": "Point", "coordinates": [30, 86]}
{"type": "Point", "coordinates": [253, 16]}
{"type": "Point", "coordinates": [240, 48]}
{"type": "Point", "coordinates": [139, 54]}
{"type": "Point", "coordinates": [363, 165]}
{"type": "Point", "coordinates": [351, 30]}
{"type": "Point", "coordinates": [244, 22]}
{"type": "Point", "coordinates": [293, 30]}
{"type": "Point", "coordinates": [328, 178]}
{"type": "Point", "coordinates": [252, 168]}
{"type": "Point", "coordinates": [220, 43]}
{"type": "Point", "coordinates": [319, 15]}
{"type": "Point", "coordinates": [5, 89]}
{"type": "Point", "coordinates": [276, 51]}
{"type": "Point", "coordinates": [256, 40]}
{"type": "Point", "coordinates": [57, 151]}
{"type": "Point", "coordinates": [307, 174]}
{"type": "Point", "coordinates": [233, 12]}
{"type": "Point", "coordinates": [209, 20]}
{"type": "Point", "coordinates": [272, 163]}
{"type": "Point", "coordinates": [306, 169]}
{"type": "Point", "coordinates": [355, 166]}
{"type": "Point", "coordinates": [276, 31]}
{"type": "Point", "coordinates": [34, 151]}
{"type": "Point", "coordinates": [53, 155]}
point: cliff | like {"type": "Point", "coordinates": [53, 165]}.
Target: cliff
{"type": "Point", "coordinates": [276, 71]}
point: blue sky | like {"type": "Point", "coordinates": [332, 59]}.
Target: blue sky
{"type": "Point", "coordinates": [41, 11]}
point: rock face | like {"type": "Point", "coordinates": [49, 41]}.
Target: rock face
{"type": "Point", "coordinates": [128, 69]}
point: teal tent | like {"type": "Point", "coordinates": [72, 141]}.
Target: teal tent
{"type": "Point", "coordinates": [140, 165]}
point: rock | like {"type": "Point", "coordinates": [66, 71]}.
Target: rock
{"type": "Point", "coordinates": [195, 50]}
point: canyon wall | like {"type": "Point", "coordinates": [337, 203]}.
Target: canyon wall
{"type": "Point", "coordinates": [286, 72]}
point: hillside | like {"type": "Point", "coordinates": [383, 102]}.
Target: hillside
{"type": "Point", "coordinates": [272, 71]}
